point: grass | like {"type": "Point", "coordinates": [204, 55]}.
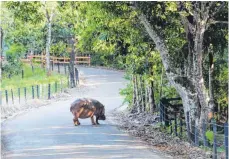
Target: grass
{"type": "Point", "coordinates": [31, 78]}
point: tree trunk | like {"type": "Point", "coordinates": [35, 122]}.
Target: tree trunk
{"type": "Point", "coordinates": [1, 42]}
{"type": "Point", "coordinates": [146, 96]}
{"type": "Point", "coordinates": [71, 64]}
{"type": "Point", "coordinates": [151, 97]}
{"type": "Point", "coordinates": [143, 93]}
{"type": "Point", "coordinates": [48, 44]}
{"type": "Point", "coordinates": [134, 98]}
{"type": "Point", "coordinates": [161, 83]}
{"type": "Point", "coordinates": [151, 91]}
{"type": "Point", "coordinates": [1, 49]}
{"type": "Point", "coordinates": [138, 98]}
{"type": "Point", "coordinates": [210, 76]}
{"type": "Point", "coordinates": [183, 85]}
{"type": "Point", "coordinates": [141, 97]}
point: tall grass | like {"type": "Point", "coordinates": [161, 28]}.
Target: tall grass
{"type": "Point", "coordinates": [37, 77]}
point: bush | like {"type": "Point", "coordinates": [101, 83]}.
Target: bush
{"type": "Point", "coordinates": [59, 49]}
{"type": "Point", "coordinates": [127, 93]}
{"type": "Point", "coordinates": [210, 136]}
{"type": "Point", "coordinates": [13, 64]}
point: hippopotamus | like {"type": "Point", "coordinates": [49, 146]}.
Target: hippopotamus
{"type": "Point", "coordinates": [85, 108]}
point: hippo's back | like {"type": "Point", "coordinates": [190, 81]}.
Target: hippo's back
{"type": "Point", "coordinates": [77, 104]}
{"type": "Point", "coordinates": [82, 108]}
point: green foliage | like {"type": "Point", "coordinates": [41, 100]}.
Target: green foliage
{"type": "Point", "coordinates": [127, 93]}
{"type": "Point", "coordinates": [112, 34]}
{"type": "Point", "coordinates": [13, 64]}
{"type": "Point", "coordinates": [210, 136]}
{"type": "Point", "coordinates": [31, 9]}
{"type": "Point", "coordinates": [58, 49]}
{"type": "Point", "coordinates": [15, 51]}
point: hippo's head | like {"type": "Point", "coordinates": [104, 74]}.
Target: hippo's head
{"type": "Point", "coordinates": [102, 117]}
{"type": "Point", "coordinates": [101, 113]}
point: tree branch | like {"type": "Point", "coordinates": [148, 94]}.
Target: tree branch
{"type": "Point", "coordinates": [217, 10]}
{"type": "Point", "coordinates": [188, 26]}
{"type": "Point", "coordinates": [211, 4]}
{"type": "Point", "coordinates": [160, 45]}
{"type": "Point", "coordinates": [221, 22]}
{"type": "Point", "coordinates": [47, 15]}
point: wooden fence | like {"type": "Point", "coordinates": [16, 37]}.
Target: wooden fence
{"type": "Point", "coordinates": [172, 118]}
{"type": "Point", "coordinates": [57, 60]}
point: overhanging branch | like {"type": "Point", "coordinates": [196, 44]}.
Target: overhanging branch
{"type": "Point", "coordinates": [221, 22]}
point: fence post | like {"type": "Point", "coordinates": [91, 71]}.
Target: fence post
{"type": "Point", "coordinates": [163, 113]}
{"type": "Point", "coordinates": [89, 60]}
{"type": "Point", "coordinates": [214, 139]}
{"type": "Point", "coordinates": [6, 92]}
{"type": "Point", "coordinates": [38, 92]}
{"type": "Point", "coordinates": [58, 65]}
{"type": "Point", "coordinates": [188, 126]}
{"type": "Point", "coordinates": [55, 86]}
{"type": "Point", "coordinates": [61, 86]}
{"type": "Point", "coordinates": [33, 92]}
{"type": "Point", "coordinates": [161, 108]}
{"type": "Point", "coordinates": [19, 95]}
{"type": "Point", "coordinates": [175, 127]}
{"type": "Point", "coordinates": [171, 126]}
{"type": "Point", "coordinates": [25, 92]}
{"type": "Point", "coordinates": [77, 76]}
{"type": "Point", "coordinates": [52, 64]}
{"type": "Point", "coordinates": [204, 134]}
{"type": "Point", "coordinates": [181, 124]}
{"type": "Point", "coordinates": [32, 69]}
{"type": "Point", "coordinates": [65, 69]}
{"type": "Point", "coordinates": [69, 84]}
{"type": "Point", "coordinates": [49, 91]}
{"type": "Point", "coordinates": [12, 94]}
{"type": "Point", "coordinates": [226, 138]}
{"type": "Point", "coordinates": [166, 118]}
{"type": "Point", "coordinates": [22, 74]}
{"type": "Point", "coordinates": [196, 136]}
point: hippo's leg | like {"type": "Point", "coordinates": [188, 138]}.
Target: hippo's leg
{"type": "Point", "coordinates": [76, 120]}
{"type": "Point", "coordinates": [97, 118]}
{"type": "Point", "coordinates": [92, 120]}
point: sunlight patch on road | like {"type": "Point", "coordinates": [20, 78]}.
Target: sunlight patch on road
{"type": "Point", "coordinates": [77, 148]}
{"type": "Point", "coordinates": [42, 154]}
{"type": "Point", "coordinates": [84, 134]}
{"type": "Point", "coordinates": [94, 84]}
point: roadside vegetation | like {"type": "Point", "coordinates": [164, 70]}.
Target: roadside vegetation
{"type": "Point", "coordinates": [167, 49]}
{"type": "Point", "coordinates": [31, 78]}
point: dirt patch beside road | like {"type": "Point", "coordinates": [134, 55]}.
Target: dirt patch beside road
{"type": "Point", "coordinates": [147, 129]}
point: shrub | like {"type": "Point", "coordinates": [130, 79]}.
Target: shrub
{"type": "Point", "coordinates": [13, 64]}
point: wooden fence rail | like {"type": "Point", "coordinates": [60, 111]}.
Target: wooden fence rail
{"type": "Point", "coordinates": [60, 60]}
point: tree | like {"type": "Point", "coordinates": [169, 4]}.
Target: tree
{"type": "Point", "coordinates": [197, 19]}
{"type": "Point", "coordinates": [70, 20]}
{"type": "Point", "coordinates": [34, 13]}
{"type": "Point", "coordinates": [49, 8]}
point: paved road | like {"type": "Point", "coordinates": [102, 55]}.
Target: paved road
{"type": "Point", "coordinates": [48, 132]}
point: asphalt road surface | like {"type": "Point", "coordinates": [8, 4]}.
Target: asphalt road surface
{"type": "Point", "coordinates": [49, 132]}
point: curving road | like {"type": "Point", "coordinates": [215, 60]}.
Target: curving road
{"type": "Point", "coordinates": [48, 132]}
